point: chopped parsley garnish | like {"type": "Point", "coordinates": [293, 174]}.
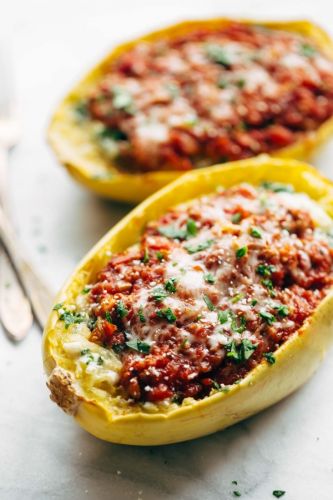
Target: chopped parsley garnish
{"type": "Point", "coordinates": [191, 227]}
{"type": "Point", "coordinates": [138, 345]}
{"type": "Point", "coordinates": [159, 294]}
{"type": "Point", "coordinates": [237, 493]}
{"type": "Point", "coordinates": [201, 246]}
{"type": "Point", "coordinates": [180, 234]}
{"type": "Point", "coordinates": [167, 314]}
{"type": "Point", "coordinates": [282, 310]}
{"type": "Point", "coordinates": [122, 100]}
{"type": "Point", "coordinates": [172, 232]}
{"type": "Point", "coordinates": [255, 232]}
{"type": "Point", "coordinates": [69, 317]}
{"type": "Point", "coordinates": [223, 316]}
{"type": "Point", "coordinates": [238, 324]}
{"type": "Point", "coordinates": [85, 290]}
{"type": "Point", "coordinates": [265, 269]}
{"type": "Point", "coordinates": [236, 298]}
{"type": "Point", "coordinates": [222, 83]}
{"type": "Point", "coordinates": [218, 55]}
{"type": "Point", "coordinates": [216, 385]}
{"type": "Point", "coordinates": [307, 50]}
{"type": "Point", "coordinates": [159, 256]}
{"type": "Point", "coordinates": [267, 283]}
{"type": "Point", "coordinates": [241, 252]}
{"type": "Point", "coordinates": [121, 309]}
{"type": "Point", "coordinates": [254, 302]}
{"type": "Point", "coordinates": [270, 357]}
{"type": "Point", "coordinates": [141, 315]}
{"type": "Point", "coordinates": [267, 316]}
{"type": "Point", "coordinates": [240, 83]}
{"type": "Point", "coordinates": [170, 285]}
{"type": "Point", "coordinates": [81, 110]}
{"type": "Point", "coordinates": [145, 258]}
{"type": "Point", "coordinates": [236, 218]}
{"type": "Point", "coordinates": [278, 493]}
{"type": "Point", "coordinates": [111, 133]}
{"type": "Point", "coordinates": [209, 303]}
{"type": "Point", "coordinates": [277, 187]}
{"type": "Point", "coordinates": [209, 278]}
{"type": "Point", "coordinates": [240, 352]}
{"type": "Point", "coordinates": [108, 317]}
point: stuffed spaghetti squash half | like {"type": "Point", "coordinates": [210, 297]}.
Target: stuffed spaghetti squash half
{"type": "Point", "coordinates": [207, 303]}
{"type": "Point", "coordinates": [192, 95]}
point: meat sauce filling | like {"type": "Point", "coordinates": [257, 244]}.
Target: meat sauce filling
{"type": "Point", "coordinates": [209, 97]}
{"type": "Point", "coordinates": [213, 289]}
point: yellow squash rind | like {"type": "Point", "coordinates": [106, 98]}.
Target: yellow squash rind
{"type": "Point", "coordinates": [89, 167]}
{"type": "Point", "coordinates": [296, 360]}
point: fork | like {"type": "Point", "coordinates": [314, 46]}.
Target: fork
{"type": "Point", "coordinates": [19, 281]}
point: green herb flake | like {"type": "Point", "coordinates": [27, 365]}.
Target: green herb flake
{"type": "Point", "coordinates": [265, 269]}
{"type": "Point", "coordinates": [170, 285]}
{"type": "Point", "coordinates": [237, 493]}
{"type": "Point", "coordinates": [267, 316]}
{"type": "Point", "coordinates": [236, 298]}
{"type": "Point", "coordinates": [307, 50]}
{"type": "Point", "coordinates": [209, 278]}
{"type": "Point", "coordinates": [222, 83]}
{"type": "Point", "coordinates": [223, 316]}
{"type": "Point", "coordinates": [241, 352]}
{"type": "Point", "coordinates": [254, 302]}
{"type": "Point", "coordinates": [283, 311]}
{"type": "Point", "coordinates": [85, 290]}
{"type": "Point", "coordinates": [159, 256]}
{"type": "Point", "coordinates": [100, 360]}
{"type": "Point", "coordinates": [58, 306]}
{"type": "Point", "coordinates": [121, 309]}
{"type": "Point", "coordinates": [236, 218]}
{"type": "Point", "coordinates": [270, 357]}
{"type": "Point", "coordinates": [241, 252]}
{"type": "Point", "coordinates": [191, 227]}
{"type": "Point", "coordinates": [108, 317]}
{"type": "Point", "coordinates": [138, 345]}
{"type": "Point", "coordinates": [238, 324]}
{"type": "Point", "coordinates": [122, 100]}
{"type": "Point", "coordinates": [255, 233]}
{"type": "Point", "coordinates": [277, 187]}
{"type": "Point", "coordinates": [172, 232]}
{"type": "Point", "coordinates": [166, 314]}
{"type": "Point", "coordinates": [240, 83]}
{"type": "Point", "coordinates": [267, 283]}
{"type": "Point", "coordinates": [159, 294]}
{"type": "Point", "coordinates": [141, 315]}
{"type": "Point", "coordinates": [209, 303]}
{"type": "Point", "coordinates": [217, 54]}
{"type": "Point", "coordinates": [200, 247]}
{"type": "Point", "coordinates": [145, 258]}
{"type": "Point", "coordinates": [278, 493]}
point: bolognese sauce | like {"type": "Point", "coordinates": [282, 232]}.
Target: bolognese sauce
{"type": "Point", "coordinates": [209, 96]}
{"type": "Point", "coordinates": [213, 288]}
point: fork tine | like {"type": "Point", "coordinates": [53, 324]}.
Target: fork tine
{"type": "Point", "coordinates": [6, 82]}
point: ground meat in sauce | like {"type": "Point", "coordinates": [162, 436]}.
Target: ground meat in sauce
{"type": "Point", "coordinates": [210, 96]}
{"type": "Point", "coordinates": [213, 288]}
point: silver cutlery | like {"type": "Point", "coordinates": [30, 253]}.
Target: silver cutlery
{"type": "Point", "coordinates": [20, 286]}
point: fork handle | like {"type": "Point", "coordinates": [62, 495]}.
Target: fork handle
{"type": "Point", "coordinates": [39, 296]}
{"type": "Point", "coordinates": [15, 311]}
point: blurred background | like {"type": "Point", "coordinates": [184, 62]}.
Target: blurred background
{"type": "Point", "coordinates": [42, 453]}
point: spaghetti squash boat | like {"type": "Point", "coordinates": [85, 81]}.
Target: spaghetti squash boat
{"type": "Point", "coordinates": [209, 302]}
{"type": "Point", "coordinates": [192, 95]}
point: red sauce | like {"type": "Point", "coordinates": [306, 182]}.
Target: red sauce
{"type": "Point", "coordinates": [211, 96]}
{"type": "Point", "coordinates": [212, 289]}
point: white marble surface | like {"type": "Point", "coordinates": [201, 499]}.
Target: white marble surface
{"type": "Point", "coordinates": [43, 454]}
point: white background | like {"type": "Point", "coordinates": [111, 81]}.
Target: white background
{"type": "Point", "coordinates": [43, 454]}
